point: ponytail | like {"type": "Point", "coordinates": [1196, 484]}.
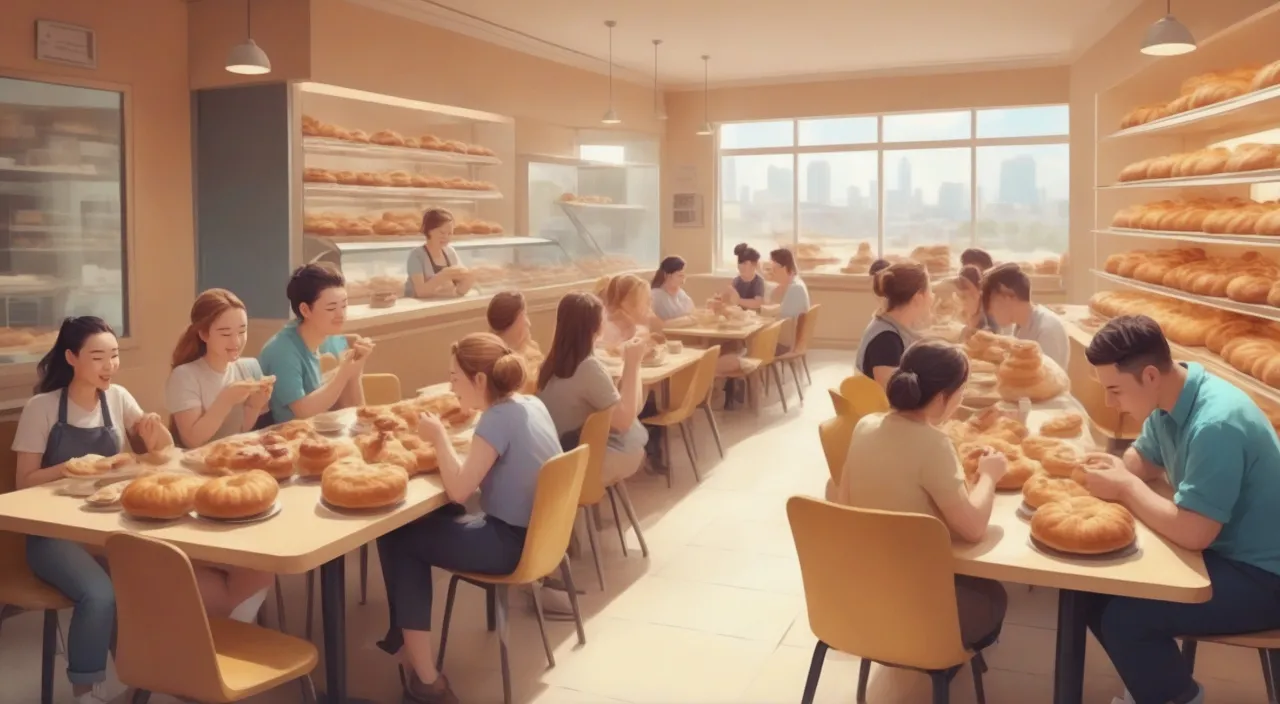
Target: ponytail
{"type": "Point", "coordinates": [205, 311]}
{"type": "Point", "coordinates": [54, 372]}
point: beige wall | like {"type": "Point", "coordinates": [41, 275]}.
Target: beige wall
{"type": "Point", "coordinates": [142, 48]}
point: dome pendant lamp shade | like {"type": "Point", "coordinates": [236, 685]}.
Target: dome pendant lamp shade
{"type": "Point", "coordinates": [248, 58]}
{"type": "Point", "coordinates": [610, 115]}
{"type": "Point", "coordinates": [706, 129]}
{"type": "Point", "coordinates": [1168, 36]}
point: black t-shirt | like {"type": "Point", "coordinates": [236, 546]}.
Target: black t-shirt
{"type": "Point", "coordinates": [884, 350]}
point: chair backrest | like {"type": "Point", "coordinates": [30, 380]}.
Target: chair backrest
{"type": "Point", "coordinates": [692, 385]}
{"type": "Point", "coordinates": [836, 434]}
{"type": "Point", "coordinates": [163, 640]}
{"type": "Point", "coordinates": [864, 395]}
{"type": "Point", "coordinates": [380, 389]}
{"type": "Point", "coordinates": [804, 329]}
{"type": "Point", "coordinates": [764, 345]}
{"type": "Point", "coordinates": [840, 403]}
{"type": "Point", "coordinates": [555, 505]}
{"type": "Point", "coordinates": [877, 584]}
{"type": "Point", "coordinates": [595, 437]}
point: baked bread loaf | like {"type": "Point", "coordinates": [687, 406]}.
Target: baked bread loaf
{"type": "Point", "coordinates": [1026, 374]}
{"type": "Point", "coordinates": [384, 447]}
{"type": "Point", "coordinates": [1083, 525]}
{"type": "Point", "coordinates": [96, 465]}
{"type": "Point", "coordinates": [1042, 488]}
{"type": "Point", "coordinates": [350, 483]}
{"type": "Point", "coordinates": [161, 496]}
{"type": "Point", "coordinates": [1067, 425]}
{"type": "Point", "coordinates": [424, 453]}
{"type": "Point", "coordinates": [1020, 468]}
{"type": "Point", "coordinates": [240, 495]}
{"type": "Point", "coordinates": [987, 346]}
{"type": "Point", "coordinates": [316, 454]}
{"type": "Point", "coordinates": [1038, 446]}
{"type": "Point", "coordinates": [1062, 461]}
{"type": "Point", "coordinates": [1267, 76]}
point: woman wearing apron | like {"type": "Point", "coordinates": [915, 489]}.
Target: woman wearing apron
{"type": "Point", "coordinates": [433, 269]}
{"type": "Point", "coordinates": [78, 411]}
{"type": "Point", "coordinates": [908, 299]}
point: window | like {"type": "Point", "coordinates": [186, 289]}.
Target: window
{"type": "Point", "coordinates": [994, 178]}
{"type": "Point", "coordinates": [607, 153]}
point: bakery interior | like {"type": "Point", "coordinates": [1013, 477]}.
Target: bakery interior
{"type": "Point", "coordinates": [568, 151]}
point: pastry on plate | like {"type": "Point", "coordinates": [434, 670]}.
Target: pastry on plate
{"type": "Point", "coordinates": [161, 496]}
{"type": "Point", "coordinates": [1083, 525]}
{"type": "Point", "coordinates": [108, 495]}
{"type": "Point", "coordinates": [351, 484]}
{"type": "Point", "coordinates": [237, 496]}
{"type": "Point", "coordinates": [1067, 425]}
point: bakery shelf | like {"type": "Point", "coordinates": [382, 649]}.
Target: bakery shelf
{"type": "Point", "coordinates": [1251, 112]}
{"type": "Point", "coordinates": [1251, 309]}
{"type": "Point", "coordinates": [1222, 179]}
{"type": "Point", "coordinates": [393, 194]}
{"type": "Point", "coordinates": [1200, 237]}
{"type": "Point", "coordinates": [376, 243]}
{"type": "Point", "coordinates": [338, 147]}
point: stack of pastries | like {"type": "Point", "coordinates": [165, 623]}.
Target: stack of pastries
{"type": "Point", "coordinates": [1203, 162]}
{"type": "Point", "coordinates": [311, 127]}
{"type": "Point", "coordinates": [810, 256]}
{"type": "Point", "coordinates": [1248, 278]}
{"type": "Point", "coordinates": [1026, 373]}
{"type": "Point", "coordinates": [393, 179]}
{"type": "Point", "coordinates": [861, 262]}
{"type": "Point", "coordinates": [1206, 89]}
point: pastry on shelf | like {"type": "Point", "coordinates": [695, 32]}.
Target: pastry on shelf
{"type": "Point", "coordinates": [1143, 115]}
{"type": "Point", "coordinates": [936, 259]}
{"type": "Point", "coordinates": [357, 136]}
{"type": "Point", "coordinates": [387, 138]}
{"type": "Point", "coordinates": [1267, 76]}
{"type": "Point", "coordinates": [810, 256]}
{"type": "Point", "coordinates": [316, 175]}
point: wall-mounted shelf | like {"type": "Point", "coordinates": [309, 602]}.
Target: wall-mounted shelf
{"type": "Point", "coordinates": [1198, 237]}
{"type": "Point", "coordinates": [1255, 310]}
{"type": "Point", "coordinates": [1251, 112]}
{"type": "Point", "coordinates": [339, 147]}
{"type": "Point", "coordinates": [317, 192]}
{"type": "Point", "coordinates": [1223, 179]}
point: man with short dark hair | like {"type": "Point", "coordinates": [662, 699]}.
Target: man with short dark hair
{"type": "Point", "coordinates": [1006, 297]}
{"type": "Point", "coordinates": [976, 257]}
{"type": "Point", "coordinates": [318, 296]}
{"type": "Point", "coordinates": [1221, 456]}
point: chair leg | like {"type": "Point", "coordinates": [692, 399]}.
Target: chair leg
{"type": "Point", "coordinates": [625, 496]}
{"type": "Point", "coordinates": [795, 374]}
{"type": "Point", "coordinates": [1268, 675]}
{"type": "Point", "coordinates": [979, 666]}
{"type": "Point", "coordinates": [715, 428]}
{"type": "Point", "coordinates": [280, 617]}
{"type": "Point", "coordinates": [666, 455]}
{"type": "Point", "coordinates": [490, 610]}
{"type": "Point", "coordinates": [364, 574]}
{"type": "Point", "coordinates": [567, 575]}
{"type": "Point", "coordinates": [593, 535]}
{"type": "Point", "coordinates": [617, 518]}
{"type": "Point", "coordinates": [941, 686]}
{"type": "Point", "coordinates": [688, 448]}
{"type": "Point", "coordinates": [501, 592]}
{"type": "Point", "coordinates": [1189, 653]}
{"type": "Point", "coordinates": [864, 675]}
{"type": "Point", "coordinates": [542, 623]}
{"type": "Point", "coordinates": [309, 695]}
{"type": "Point", "coordinates": [980, 662]}
{"type": "Point", "coordinates": [140, 696]}
{"type": "Point", "coordinates": [311, 601]}
{"type": "Point", "coordinates": [777, 377]}
{"type": "Point", "coordinates": [444, 626]}
{"type": "Point", "coordinates": [815, 672]}
{"type": "Point", "coordinates": [804, 360]}
{"type": "Point", "coordinates": [50, 645]}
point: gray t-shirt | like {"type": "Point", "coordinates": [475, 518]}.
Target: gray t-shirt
{"type": "Point", "coordinates": [749, 289]}
{"type": "Point", "coordinates": [195, 386]}
{"type": "Point", "coordinates": [1048, 330]}
{"type": "Point", "coordinates": [669, 307]}
{"type": "Point", "coordinates": [524, 436]}
{"type": "Point", "coordinates": [570, 401]}
{"type": "Point", "coordinates": [420, 263]}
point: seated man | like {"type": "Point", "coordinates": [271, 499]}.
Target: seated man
{"type": "Point", "coordinates": [318, 296]}
{"type": "Point", "coordinates": [1006, 297]}
{"type": "Point", "coordinates": [1222, 458]}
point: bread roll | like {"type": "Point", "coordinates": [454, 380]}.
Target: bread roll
{"type": "Point", "coordinates": [1136, 171]}
{"type": "Point", "coordinates": [1268, 76]}
{"type": "Point", "coordinates": [1250, 288]}
{"type": "Point", "coordinates": [1218, 92]}
{"type": "Point", "coordinates": [1083, 525]}
{"type": "Point", "coordinates": [237, 496]}
{"type": "Point", "coordinates": [1252, 157]}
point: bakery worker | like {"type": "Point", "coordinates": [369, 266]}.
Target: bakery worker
{"type": "Point", "coordinates": [77, 411]}
{"type": "Point", "coordinates": [318, 296]}
{"type": "Point", "coordinates": [908, 300]}
{"type": "Point", "coordinates": [1217, 450]}
{"type": "Point", "coordinates": [433, 269]}
{"type": "Point", "coordinates": [1006, 297]}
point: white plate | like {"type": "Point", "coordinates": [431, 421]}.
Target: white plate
{"type": "Point", "coordinates": [328, 427]}
{"type": "Point", "coordinates": [359, 511]}
{"type": "Point", "coordinates": [269, 513]}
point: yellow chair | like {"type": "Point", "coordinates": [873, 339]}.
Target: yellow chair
{"type": "Point", "coordinates": [836, 434]}
{"type": "Point", "coordinates": [595, 436]}
{"type": "Point", "coordinates": [841, 404]}
{"type": "Point", "coordinates": [762, 350]}
{"type": "Point", "coordinates": [1267, 643]}
{"type": "Point", "coordinates": [864, 394]}
{"type": "Point", "coordinates": [555, 505]}
{"type": "Point", "coordinates": [689, 389]}
{"type": "Point", "coordinates": [900, 614]}
{"type": "Point", "coordinates": [798, 356]}
{"type": "Point", "coordinates": [380, 389]}
{"type": "Point", "coordinates": [167, 644]}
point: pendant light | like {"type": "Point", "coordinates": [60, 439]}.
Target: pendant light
{"type": "Point", "coordinates": [706, 91]}
{"type": "Point", "coordinates": [1168, 36]}
{"type": "Point", "coordinates": [248, 58]}
{"type": "Point", "coordinates": [659, 111]}
{"type": "Point", "coordinates": [610, 116]}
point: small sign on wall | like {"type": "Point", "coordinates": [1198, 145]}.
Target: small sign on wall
{"type": "Point", "coordinates": [66, 44]}
{"type": "Point", "coordinates": [686, 210]}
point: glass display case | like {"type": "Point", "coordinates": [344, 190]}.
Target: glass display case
{"type": "Point", "coordinates": [61, 212]}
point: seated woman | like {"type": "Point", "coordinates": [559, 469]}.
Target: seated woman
{"type": "Point", "coordinates": [672, 307]}
{"type": "Point", "coordinates": [791, 294]}
{"type": "Point", "coordinates": [908, 300]}
{"type": "Point", "coordinates": [77, 411]}
{"type": "Point", "coordinates": [515, 436]}
{"type": "Point", "coordinates": [747, 288]}
{"type": "Point", "coordinates": [434, 271]}
{"type": "Point", "coordinates": [627, 309]}
{"type": "Point", "coordinates": [968, 286]}
{"type": "Point", "coordinates": [901, 461]}
{"type": "Point", "coordinates": [508, 318]}
{"type": "Point", "coordinates": [211, 394]}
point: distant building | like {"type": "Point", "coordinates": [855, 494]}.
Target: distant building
{"type": "Point", "coordinates": [818, 182]}
{"type": "Point", "coordinates": [1018, 181]}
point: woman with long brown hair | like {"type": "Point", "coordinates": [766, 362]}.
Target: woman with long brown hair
{"type": "Point", "coordinates": [433, 269]}
{"type": "Point", "coordinates": [672, 306]}
{"type": "Point", "coordinates": [508, 318]}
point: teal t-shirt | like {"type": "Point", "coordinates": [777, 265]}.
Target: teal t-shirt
{"type": "Point", "coordinates": [296, 368]}
{"type": "Point", "coordinates": [1223, 460]}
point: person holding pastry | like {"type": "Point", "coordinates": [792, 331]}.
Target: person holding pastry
{"type": "Point", "coordinates": [515, 436]}
{"type": "Point", "coordinates": [908, 300]}
{"type": "Point", "coordinates": [747, 288]}
{"type": "Point", "coordinates": [628, 307]}
{"type": "Point", "coordinates": [508, 317]}
{"type": "Point", "coordinates": [77, 411]}
{"type": "Point", "coordinates": [1217, 450]}
{"type": "Point", "coordinates": [318, 296]}
{"type": "Point", "coordinates": [434, 269]}
{"type": "Point", "coordinates": [902, 461]}
{"type": "Point", "coordinates": [1006, 297]}
{"type": "Point", "coordinates": [672, 306]}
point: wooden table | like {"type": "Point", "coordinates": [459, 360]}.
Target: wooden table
{"type": "Point", "coordinates": [650, 375]}
{"type": "Point", "coordinates": [1160, 571]}
{"type": "Point", "coordinates": [715, 332]}
{"type": "Point", "coordinates": [304, 536]}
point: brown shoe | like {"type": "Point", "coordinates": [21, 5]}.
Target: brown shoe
{"type": "Point", "coordinates": [417, 691]}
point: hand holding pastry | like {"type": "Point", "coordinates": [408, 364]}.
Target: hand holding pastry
{"type": "Point", "coordinates": [236, 393]}
{"type": "Point", "coordinates": [431, 429]}
{"type": "Point", "coordinates": [363, 348]}
{"type": "Point", "coordinates": [993, 465]}
{"type": "Point", "coordinates": [258, 399]}
{"type": "Point", "coordinates": [1110, 481]}
{"type": "Point", "coordinates": [633, 351]}
{"type": "Point", "coordinates": [155, 436]}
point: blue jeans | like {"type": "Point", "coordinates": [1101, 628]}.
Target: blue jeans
{"type": "Point", "coordinates": [1138, 634]}
{"type": "Point", "coordinates": [69, 568]}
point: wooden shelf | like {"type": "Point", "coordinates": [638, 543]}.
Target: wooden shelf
{"type": "Point", "coordinates": [1199, 237]}
{"type": "Point", "coordinates": [392, 194]}
{"type": "Point", "coordinates": [1255, 310]}
{"type": "Point", "coordinates": [1222, 179]}
{"type": "Point", "coordinates": [338, 147]}
{"type": "Point", "coordinates": [1251, 112]}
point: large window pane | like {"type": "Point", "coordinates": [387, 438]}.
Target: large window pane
{"type": "Point", "coordinates": [839, 205]}
{"type": "Point", "coordinates": [757, 135]}
{"type": "Point", "coordinates": [927, 126]}
{"type": "Point", "coordinates": [1023, 201]}
{"type": "Point", "coordinates": [1035, 121]}
{"type": "Point", "coordinates": [757, 203]}
{"type": "Point", "coordinates": [837, 130]}
{"type": "Point", "coordinates": [926, 199]}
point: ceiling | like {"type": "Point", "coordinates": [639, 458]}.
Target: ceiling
{"type": "Point", "coordinates": [754, 41]}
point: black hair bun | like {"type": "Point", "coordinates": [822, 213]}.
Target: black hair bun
{"type": "Point", "coordinates": [903, 390]}
{"type": "Point", "coordinates": [738, 250]}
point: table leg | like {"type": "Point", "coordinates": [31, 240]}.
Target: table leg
{"type": "Point", "coordinates": [1068, 671]}
{"type": "Point", "coordinates": [333, 612]}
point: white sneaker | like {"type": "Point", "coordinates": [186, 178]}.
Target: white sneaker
{"type": "Point", "coordinates": [102, 693]}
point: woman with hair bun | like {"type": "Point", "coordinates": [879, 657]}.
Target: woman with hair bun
{"type": "Point", "coordinates": [515, 436]}
{"type": "Point", "coordinates": [901, 461]}
{"type": "Point", "coordinates": [508, 317]}
{"type": "Point", "coordinates": [907, 303]}
{"type": "Point", "coordinates": [747, 289]}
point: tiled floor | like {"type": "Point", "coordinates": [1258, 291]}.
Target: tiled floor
{"type": "Point", "coordinates": [715, 615]}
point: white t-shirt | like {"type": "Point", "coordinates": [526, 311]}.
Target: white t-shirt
{"type": "Point", "coordinates": [41, 412]}
{"type": "Point", "coordinates": [195, 385]}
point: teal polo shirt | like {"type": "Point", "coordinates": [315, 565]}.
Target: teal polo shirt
{"type": "Point", "coordinates": [1223, 460]}
{"type": "Point", "coordinates": [296, 368]}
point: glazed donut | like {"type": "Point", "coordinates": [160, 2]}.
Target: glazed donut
{"type": "Point", "coordinates": [161, 496]}
{"type": "Point", "coordinates": [1041, 489]}
{"type": "Point", "coordinates": [1067, 425]}
{"type": "Point", "coordinates": [1083, 525]}
{"type": "Point", "coordinates": [350, 483]}
{"type": "Point", "coordinates": [280, 461]}
{"type": "Point", "coordinates": [1061, 461]}
{"type": "Point", "coordinates": [237, 496]}
{"type": "Point", "coordinates": [1038, 446]}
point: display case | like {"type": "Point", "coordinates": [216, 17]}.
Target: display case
{"type": "Point", "coordinates": [61, 212]}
